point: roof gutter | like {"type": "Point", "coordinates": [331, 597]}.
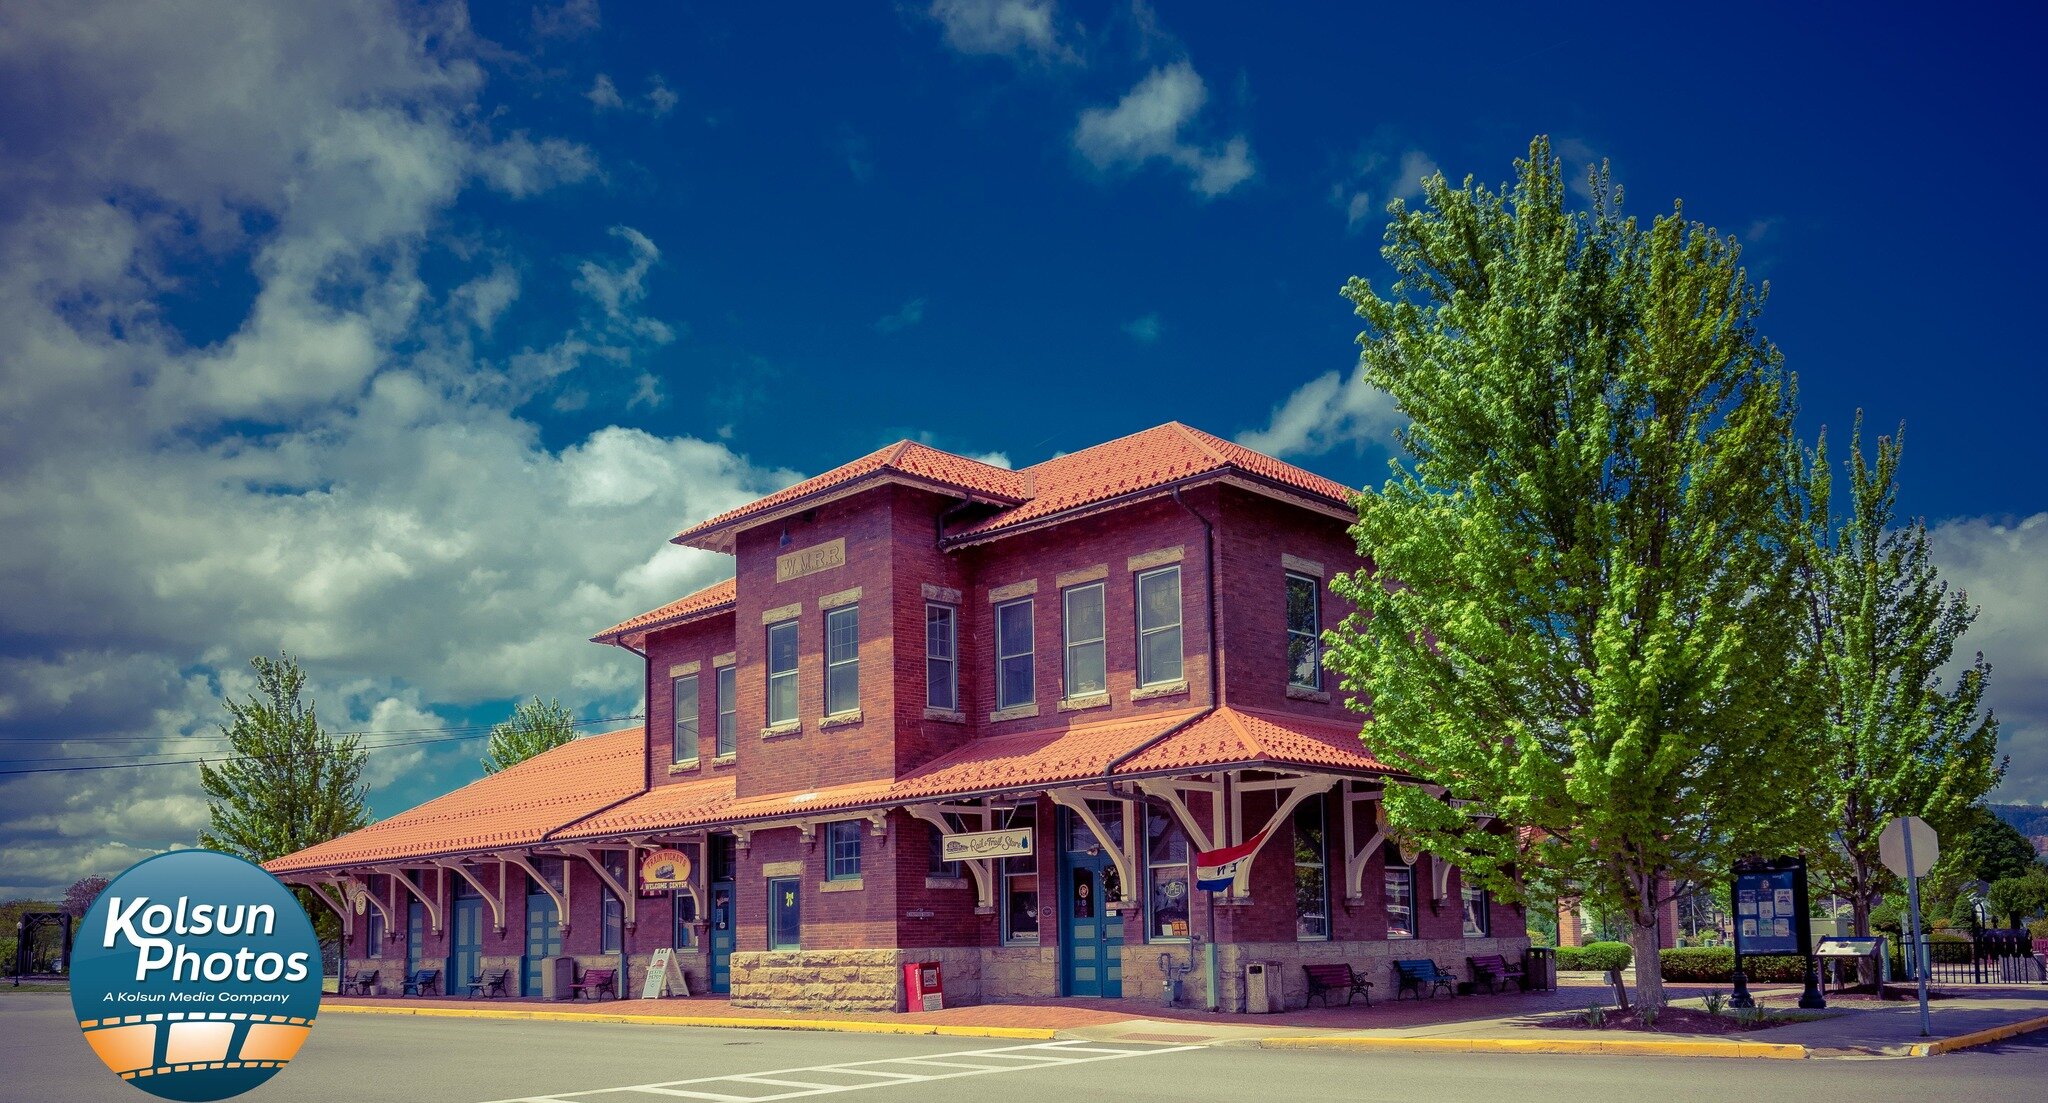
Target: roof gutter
{"type": "Point", "coordinates": [1215, 675]}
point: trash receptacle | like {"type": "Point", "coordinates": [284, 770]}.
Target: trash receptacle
{"type": "Point", "coordinates": [923, 989]}
{"type": "Point", "coordinates": [1262, 988]}
{"type": "Point", "coordinates": [558, 978]}
{"type": "Point", "coordinates": [1539, 965]}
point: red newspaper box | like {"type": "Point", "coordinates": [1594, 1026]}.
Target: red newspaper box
{"type": "Point", "coordinates": [921, 988]}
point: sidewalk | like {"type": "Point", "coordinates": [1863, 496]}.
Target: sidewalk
{"type": "Point", "coordinates": [1504, 1023]}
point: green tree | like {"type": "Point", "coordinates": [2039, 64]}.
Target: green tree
{"type": "Point", "coordinates": [1989, 849]}
{"type": "Point", "coordinates": [286, 783]}
{"type": "Point", "coordinates": [2018, 899]}
{"type": "Point", "coordinates": [1583, 617]}
{"type": "Point", "coordinates": [536, 726]}
{"type": "Point", "coordinates": [1883, 625]}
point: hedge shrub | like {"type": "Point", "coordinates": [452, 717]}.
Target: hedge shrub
{"type": "Point", "coordinates": [1717, 963]}
{"type": "Point", "coordinates": [1596, 956]}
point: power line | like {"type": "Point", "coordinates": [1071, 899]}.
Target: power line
{"type": "Point", "coordinates": [216, 759]}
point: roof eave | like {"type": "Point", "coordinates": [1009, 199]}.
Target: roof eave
{"type": "Point", "coordinates": [718, 536]}
{"type": "Point", "coordinates": [1228, 473]}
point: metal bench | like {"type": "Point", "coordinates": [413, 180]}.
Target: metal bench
{"type": "Point", "coordinates": [423, 982]}
{"type": "Point", "coordinates": [1495, 971]}
{"type": "Point", "coordinates": [1335, 976]}
{"type": "Point", "coordinates": [489, 983]}
{"type": "Point", "coordinates": [1416, 973]}
{"type": "Point", "coordinates": [595, 981]}
{"type": "Point", "coordinates": [364, 982]}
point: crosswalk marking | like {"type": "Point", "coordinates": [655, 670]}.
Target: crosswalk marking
{"type": "Point", "coordinates": [969, 1062]}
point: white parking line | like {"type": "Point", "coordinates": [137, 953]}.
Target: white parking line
{"type": "Point", "coordinates": [1037, 1056]}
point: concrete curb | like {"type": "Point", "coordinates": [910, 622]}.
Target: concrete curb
{"type": "Point", "coordinates": [1618, 1047]}
{"type": "Point", "coordinates": [843, 1026]}
{"type": "Point", "coordinates": [1976, 1038]}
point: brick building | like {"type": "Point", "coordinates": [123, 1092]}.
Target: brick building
{"type": "Point", "coordinates": [1111, 657]}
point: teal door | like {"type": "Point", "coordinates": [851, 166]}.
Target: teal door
{"type": "Point", "coordinates": [543, 939]}
{"type": "Point", "coordinates": [415, 937]}
{"type": "Point", "coordinates": [466, 946]}
{"type": "Point", "coordinates": [1091, 938]}
{"type": "Point", "coordinates": [785, 914]}
{"type": "Point", "coordinates": [721, 935]}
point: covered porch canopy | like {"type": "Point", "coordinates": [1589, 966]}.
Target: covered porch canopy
{"type": "Point", "coordinates": [590, 796]}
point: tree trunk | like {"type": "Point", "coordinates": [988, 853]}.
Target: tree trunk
{"type": "Point", "coordinates": [1649, 967]}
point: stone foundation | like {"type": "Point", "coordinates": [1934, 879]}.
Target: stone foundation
{"type": "Point", "coordinates": [847, 980]}
{"type": "Point", "coordinates": [1373, 961]}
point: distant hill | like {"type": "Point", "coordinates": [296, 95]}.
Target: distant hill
{"type": "Point", "coordinates": [2027, 819]}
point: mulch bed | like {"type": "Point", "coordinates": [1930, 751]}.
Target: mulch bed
{"type": "Point", "coordinates": [1681, 1020]}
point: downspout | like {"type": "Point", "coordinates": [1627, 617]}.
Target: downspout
{"type": "Point", "coordinates": [1215, 701]}
{"type": "Point", "coordinates": [646, 709]}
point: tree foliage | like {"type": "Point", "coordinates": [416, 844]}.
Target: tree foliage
{"type": "Point", "coordinates": [2018, 899]}
{"type": "Point", "coordinates": [1989, 849]}
{"type": "Point", "coordinates": [78, 899]}
{"type": "Point", "coordinates": [286, 783]}
{"type": "Point", "coordinates": [536, 726]}
{"type": "Point", "coordinates": [1584, 609]}
{"type": "Point", "coordinates": [1883, 626]}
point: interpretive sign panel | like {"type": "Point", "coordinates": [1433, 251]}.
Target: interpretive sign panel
{"type": "Point", "coordinates": [1770, 908]}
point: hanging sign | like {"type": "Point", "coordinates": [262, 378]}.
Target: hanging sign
{"type": "Point", "coordinates": [664, 976]}
{"type": "Point", "coordinates": [985, 844]}
{"type": "Point", "coordinates": [667, 868]}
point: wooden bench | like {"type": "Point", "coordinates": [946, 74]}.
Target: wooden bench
{"type": "Point", "coordinates": [595, 981]}
{"type": "Point", "coordinates": [494, 981]}
{"type": "Point", "coordinates": [1414, 973]}
{"type": "Point", "coordinates": [365, 982]}
{"type": "Point", "coordinates": [1336, 976]}
{"type": "Point", "coordinates": [421, 983]}
{"type": "Point", "coordinates": [1495, 971]}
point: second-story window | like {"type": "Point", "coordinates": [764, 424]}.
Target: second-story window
{"type": "Point", "coordinates": [782, 673]}
{"type": "Point", "coordinates": [1086, 668]}
{"type": "Point", "coordinates": [1015, 673]}
{"type": "Point", "coordinates": [684, 694]}
{"type": "Point", "coordinates": [1159, 647]}
{"type": "Point", "coordinates": [1304, 632]}
{"type": "Point", "coordinates": [842, 660]}
{"type": "Point", "coordinates": [728, 704]}
{"type": "Point", "coordinates": [941, 657]}
{"type": "Point", "coordinates": [842, 850]}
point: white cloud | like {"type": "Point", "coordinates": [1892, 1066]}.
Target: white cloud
{"type": "Point", "coordinates": [1147, 125]}
{"type": "Point", "coordinates": [1008, 27]}
{"type": "Point", "coordinates": [345, 475]}
{"type": "Point", "coordinates": [1325, 413]}
{"type": "Point", "coordinates": [661, 99]}
{"type": "Point", "coordinates": [1376, 180]}
{"type": "Point", "coordinates": [568, 19]}
{"type": "Point", "coordinates": [1146, 330]}
{"type": "Point", "coordinates": [604, 95]}
{"type": "Point", "coordinates": [909, 314]}
{"type": "Point", "coordinates": [2003, 566]}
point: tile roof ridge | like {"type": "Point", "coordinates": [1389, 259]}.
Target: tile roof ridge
{"type": "Point", "coordinates": [1194, 436]}
{"type": "Point", "coordinates": [896, 454]}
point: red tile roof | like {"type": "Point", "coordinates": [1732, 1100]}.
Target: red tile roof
{"type": "Point", "coordinates": [709, 601]}
{"type": "Point", "coordinates": [1145, 461]}
{"type": "Point", "coordinates": [517, 806]}
{"type": "Point", "coordinates": [904, 461]}
{"type": "Point", "coordinates": [1148, 461]}
{"type": "Point", "coordinates": [662, 807]}
{"type": "Point", "coordinates": [1230, 736]}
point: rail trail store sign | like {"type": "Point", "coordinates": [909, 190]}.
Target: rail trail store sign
{"type": "Point", "coordinates": [985, 844]}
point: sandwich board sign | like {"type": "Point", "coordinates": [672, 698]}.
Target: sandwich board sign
{"type": "Point", "coordinates": [664, 976]}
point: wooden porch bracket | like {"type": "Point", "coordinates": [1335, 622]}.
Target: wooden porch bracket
{"type": "Point", "coordinates": [397, 874]}
{"type": "Point", "coordinates": [1356, 856]}
{"type": "Point", "coordinates": [497, 904]}
{"type": "Point", "coordinates": [1076, 801]}
{"type": "Point", "coordinates": [561, 905]}
{"type": "Point", "coordinates": [977, 868]}
{"type": "Point", "coordinates": [1298, 789]}
{"type": "Point", "coordinates": [627, 900]}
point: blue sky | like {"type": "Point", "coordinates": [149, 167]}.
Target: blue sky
{"type": "Point", "coordinates": [400, 337]}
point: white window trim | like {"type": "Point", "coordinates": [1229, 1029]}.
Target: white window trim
{"type": "Point", "coordinates": [1031, 652]}
{"type": "Point", "coordinates": [676, 721]}
{"type": "Point", "coordinates": [796, 707]}
{"type": "Point", "coordinates": [1145, 678]}
{"type": "Point", "coordinates": [1315, 635]}
{"type": "Point", "coordinates": [1068, 643]}
{"type": "Point", "coordinates": [952, 661]}
{"type": "Point", "coordinates": [832, 664]}
{"type": "Point", "coordinates": [725, 705]}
